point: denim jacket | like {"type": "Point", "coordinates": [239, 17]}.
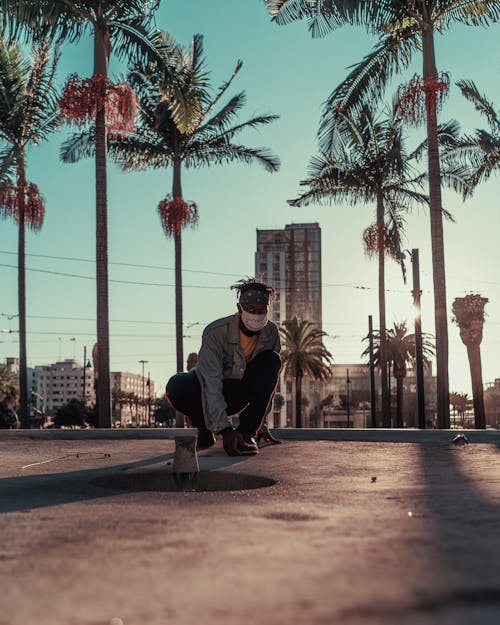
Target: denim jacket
{"type": "Point", "coordinates": [221, 357]}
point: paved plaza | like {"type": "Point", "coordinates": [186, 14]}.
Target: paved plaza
{"type": "Point", "coordinates": [392, 528]}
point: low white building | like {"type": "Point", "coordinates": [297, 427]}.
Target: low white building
{"type": "Point", "coordinates": [132, 397]}
{"type": "Point", "coordinates": [56, 384]}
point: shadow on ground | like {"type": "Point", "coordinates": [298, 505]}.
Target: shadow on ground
{"type": "Point", "coordinates": [37, 491]}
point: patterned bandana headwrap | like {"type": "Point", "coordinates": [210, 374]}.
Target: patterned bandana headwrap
{"type": "Point", "coordinates": [254, 294]}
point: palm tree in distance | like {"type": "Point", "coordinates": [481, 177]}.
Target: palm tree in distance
{"type": "Point", "coordinates": [407, 27]}
{"type": "Point", "coordinates": [479, 152]}
{"type": "Point", "coordinates": [369, 162]}
{"type": "Point", "coordinates": [459, 402]}
{"type": "Point", "coordinates": [304, 354]}
{"type": "Point", "coordinates": [468, 314]}
{"type": "Point", "coordinates": [401, 353]}
{"type": "Point", "coordinates": [28, 114]}
{"type": "Point", "coordinates": [125, 28]}
{"type": "Point", "coordinates": [204, 138]}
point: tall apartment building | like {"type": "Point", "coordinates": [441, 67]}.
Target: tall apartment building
{"type": "Point", "coordinates": [290, 260]}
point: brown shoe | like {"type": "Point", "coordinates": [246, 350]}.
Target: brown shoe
{"type": "Point", "coordinates": [246, 444]}
{"type": "Point", "coordinates": [264, 436]}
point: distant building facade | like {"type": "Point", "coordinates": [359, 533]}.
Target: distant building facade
{"type": "Point", "coordinates": [132, 396]}
{"type": "Point", "coordinates": [52, 386]}
{"type": "Point", "coordinates": [289, 259]}
{"type": "Point", "coordinates": [349, 392]}
{"type": "Point", "coordinates": [56, 384]}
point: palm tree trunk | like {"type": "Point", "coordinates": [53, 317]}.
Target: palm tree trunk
{"type": "Point", "coordinates": [177, 192]}
{"type": "Point", "coordinates": [298, 400]}
{"type": "Point", "coordinates": [103, 394]}
{"type": "Point", "coordinates": [21, 276]}
{"type": "Point", "coordinates": [399, 402]}
{"type": "Point", "coordinates": [437, 241]}
{"type": "Point", "coordinates": [474, 354]}
{"type": "Point", "coordinates": [381, 304]}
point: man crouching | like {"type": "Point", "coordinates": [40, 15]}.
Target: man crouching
{"type": "Point", "coordinates": [237, 372]}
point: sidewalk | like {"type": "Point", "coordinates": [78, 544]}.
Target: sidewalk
{"type": "Point", "coordinates": [326, 532]}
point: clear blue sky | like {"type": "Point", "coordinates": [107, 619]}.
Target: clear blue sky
{"type": "Point", "coordinates": [285, 72]}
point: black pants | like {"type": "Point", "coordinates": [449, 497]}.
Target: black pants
{"type": "Point", "coordinates": [256, 389]}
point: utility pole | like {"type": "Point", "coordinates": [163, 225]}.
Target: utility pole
{"type": "Point", "coordinates": [149, 398]}
{"type": "Point", "coordinates": [143, 363]}
{"type": "Point", "coordinates": [84, 376]}
{"type": "Point", "coordinates": [348, 383]}
{"type": "Point", "coordinates": [373, 399]}
{"type": "Point", "coordinates": [419, 360]}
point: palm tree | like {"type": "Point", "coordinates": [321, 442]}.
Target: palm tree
{"type": "Point", "coordinates": [125, 28]}
{"type": "Point", "coordinates": [28, 114]}
{"type": "Point", "coordinates": [204, 138]}
{"type": "Point", "coordinates": [369, 163]}
{"type": "Point", "coordinates": [459, 402]}
{"type": "Point", "coordinates": [479, 152]}
{"type": "Point", "coordinates": [406, 27]}
{"type": "Point", "coordinates": [401, 352]}
{"type": "Point", "coordinates": [468, 314]}
{"type": "Point", "coordinates": [304, 354]}
{"type": "Point", "coordinates": [9, 393]}
{"type": "Point", "coordinates": [9, 387]}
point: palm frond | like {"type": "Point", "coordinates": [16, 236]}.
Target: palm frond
{"type": "Point", "coordinates": [322, 16]}
{"type": "Point", "coordinates": [58, 20]}
{"type": "Point", "coordinates": [136, 152]}
{"type": "Point", "coordinates": [77, 146]}
{"type": "Point", "coordinates": [481, 104]}
{"type": "Point", "coordinates": [220, 121]}
{"type": "Point", "coordinates": [366, 82]}
{"type": "Point", "coordinates": [222, 90]}
{"type": "Point", "coordinates": [211, 134]}
{"type": "Point", "coordinates": [219, 153]}
{"type": "Point", "coordinates": [7, 160]}
{"type": "Point", "coordinates": [457, 178]}
{"type": "Point", "coordinates": [469, 12]}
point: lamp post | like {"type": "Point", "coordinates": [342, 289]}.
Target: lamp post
{"type": "Point", "coordinates": [373, 409]}
{"type": "Point", "coordinates": [86, 365]}
{"type": "Point", "coordinates": [143, 362]}
{"type": "Point", "coordinates": [35, 408]}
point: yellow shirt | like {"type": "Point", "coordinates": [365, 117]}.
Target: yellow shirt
{"type": "Point", "coordinates": [248, 344]}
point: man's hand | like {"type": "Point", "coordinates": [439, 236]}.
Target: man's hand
{"type": "Point", "coordinates": [230, 441]}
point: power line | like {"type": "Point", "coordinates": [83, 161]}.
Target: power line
{"type": "Point", "coordinates": [121, 264]}
{"type": "Point", "coordinates": [308, 286]}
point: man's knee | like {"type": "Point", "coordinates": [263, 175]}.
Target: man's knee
{"type": "Point", "coordinates": [176, 388]}
{"type": "Point", "coordinates": [270, 360]}
{"type": "Point", "coordinates": [265, 367]}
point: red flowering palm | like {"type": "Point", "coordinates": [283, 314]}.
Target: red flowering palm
{"type": "Point", "coordinates": [28, 113]}
{"type": "Point", "coordinates": [406, 28]}
{"type": "Point", "coordinates": [178, 127]}
{"type": "Point", "coordinates": [121, 27]}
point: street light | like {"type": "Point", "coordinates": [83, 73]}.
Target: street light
{"type": "Point", "coordinates": [34, 407]}
{"type": "Point", "coordinates": [86, 365]}
{"type": "Point", "coordinates": [143, 363]}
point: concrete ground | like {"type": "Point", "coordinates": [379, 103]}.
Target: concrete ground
{"type": "Point", "coordinates": [350, 532]}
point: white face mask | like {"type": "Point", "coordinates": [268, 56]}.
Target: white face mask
{"type": "Point", "coordinates": [252, 322]}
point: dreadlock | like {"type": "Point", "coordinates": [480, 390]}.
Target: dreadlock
{"type": "Point", "coordinates": [253, 284]}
